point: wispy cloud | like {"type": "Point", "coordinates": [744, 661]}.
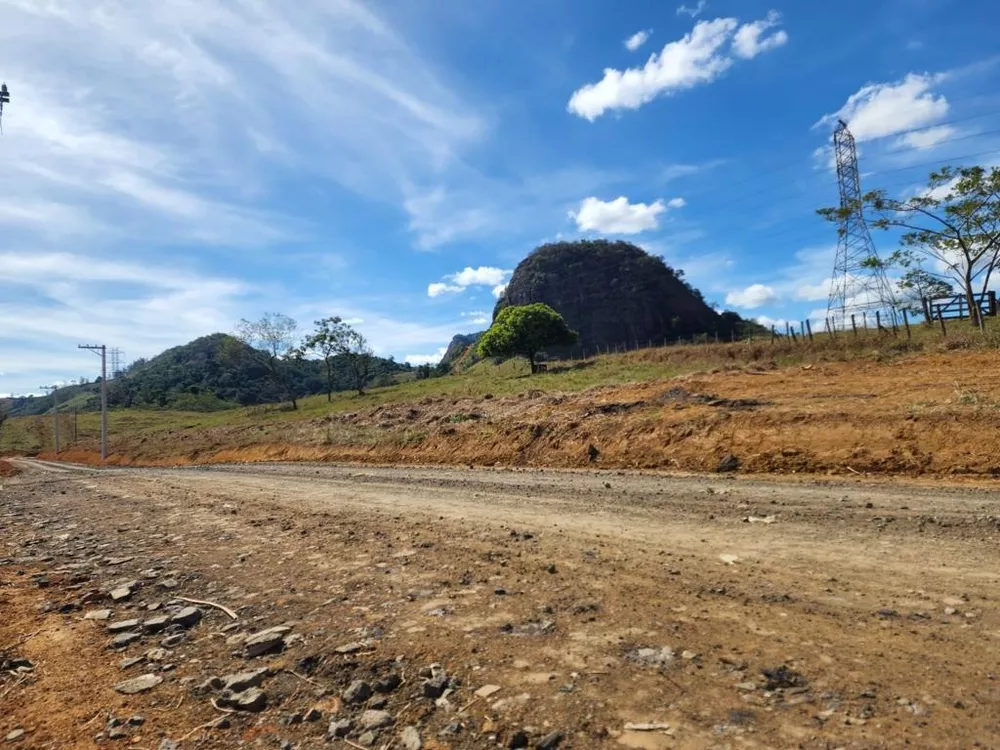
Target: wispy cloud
{"type": "Point", "coordinates": [637, 40]}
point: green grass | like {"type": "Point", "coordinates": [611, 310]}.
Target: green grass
{"type": "Point", "coordinates": [484, 379]}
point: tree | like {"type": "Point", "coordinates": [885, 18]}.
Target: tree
{"type": "Point", "coordinates": [328, 340]}
{"type": "Point", "coordinates": [359, 355]}
{"type": "Point", "coordinates": [954, 223]}
{"type": "Point", "coordinates": [274, 337]}
{"type": "Point", "coordinates": [524, 331]}
{"type": "Point", "coordinates": [917, 285]}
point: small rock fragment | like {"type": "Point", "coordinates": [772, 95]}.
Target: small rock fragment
{"type": "Point", "coordinates": [169, 745]}
{"type": "Point", "coordinates": [98, 614]}
{"type": "Point", "coordinates": [122, 625]}
{"type": "Point", "coordinates": [124, 639]}
{"type": "Point", "coordinates": [435, 686]}
{"type": "Point", "coordinates": [409, 738]}
{"type": "Point", "coordinates": [187, 617]}
{"type": "Point", "coordinates": [14, 735]}
{"type": "Point", "coordinates": [138, 684]}
{"type": "Point", "coordinates": [550, 741]}
{"type": "Point", "coordinates": [388, 683]}
{"type": "Point", "coordinates": [375, 719]}
{"type": "Point", "coordinates": [253, 700]}
{"type": "Point", "coordinates": [122, 592]}
{"type": "Point", "coordinates": [517, 740]}
{"type": "Point", "coordinates": [357, 692]}
{"type": "Point", "coordinates": [136, 721]}
{"type": "Point", "coordinates": [728, 464]}
{"type": "Point", "coordinates": [487, 690]}
{"type": "Point", "coordinates": [173, 640]}
{"type": "Point", "coordinates": [339, 728]}
{"type": "Point", "coordinates": [266, 641]}
{"type": "Point", "coordinates": [241, 681]}
{"type": "Point", "coordinates": [155, 624]}
{"type": "Point", "coordinates": [367, 739]}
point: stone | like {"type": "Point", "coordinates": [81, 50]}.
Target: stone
{"type": "Point", "coordinates": [388, 683]}
{"type": "Point", "coordinates": [122, 625]}
{"type": "Point", "coordinates": [168, 584]}
{"type": "Point", "coordinates": [453, 728]}
{"type": "Point", "coordinates": [117, 733]}
{"type": "Point", "coordinates": [313, 714]}
{"type": "Point", "coordinates": [367, 739]}
{"type": "Point", "coordinates": [122, 593]}
{"type": "Point", "coordinates": [435, 686]}
{"type": "Point", "coordinates": [339, 728]}
{"type": "Point", "coordinates": [409, 738]}
{"type": "Point", "coordinates": [550, 741]}
{"type": "Point", "coordinates": [352, 648]}
{"type": "Point", "coordinates": [187, 617]}
{"type": "Point", "coordinates": [124, 639]}
{"type": "Point", "coordinates": [375, 719]}
{"type": "Point", "coordinates": [266, 641]}
{"type": "Point", "coordinates": [155, 624]}
{"type": "Point", "coordinates": [379, 702]}
{"type": "Point", "coordinates": [252, 700]}
{"type": "Point", "coordinates": [241, 681]}
{"type": "Point", "coordinates": [357, 692]}
{"type": "Point", "coordinates": [728, 464]}
{"type": "Point", "coordinates": [654, 657]}
{"type": "Point", "coordinates": [14, 735]}
{"type": "Point", "coordinates": [169, 745]}
{"type": "Point", "coordinates": [138, 684]}
{"type": "Point", "coordinates": [129, 663]}
{"type": "Point", "coordinates": [518, 739]}
{"type": "Point", "coordinates": [157, 654]}
{"type": "Point", "coordinates": [173, 640]}
{"type": "Point", "coordinates": [136, 721]}
{"type": "Point", "coordinates": [688, 655]}
{"type": "Point", "coordinates": [98, 614]}
{"type": "Point", "coordinates": [487, 690]}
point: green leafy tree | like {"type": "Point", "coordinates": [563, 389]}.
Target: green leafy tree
{"type": "Point", "coordinates": [954, 223]}
{"type": "Point", "coordinates": [273, 336]}
{"type": "Point", "coordinates": [917, 285]}
{"type": "Point", "coordinates": [327, 341]}
{"type": "Point", "coordinates": [360, 356]}
{"type": "Point", "coordinates": [525, 330]}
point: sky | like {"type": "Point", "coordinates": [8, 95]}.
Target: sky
{"type": "Point", "coordinates": [169, 168]}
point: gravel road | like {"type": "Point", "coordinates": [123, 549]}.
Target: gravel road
{"type": "Point", "coordinates": [607, 608]}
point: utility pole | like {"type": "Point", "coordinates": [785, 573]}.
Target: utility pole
{"type": "Point", "coordinates": [102, 349]}
{"type": "Point", "coordinates": [54, 390]}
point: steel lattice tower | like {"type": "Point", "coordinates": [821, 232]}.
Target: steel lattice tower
{"type": "Point", "coordinates": [858, 285]}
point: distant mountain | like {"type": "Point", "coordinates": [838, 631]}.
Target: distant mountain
{"type": "Point", "coordinates": [458, 352]}
{"type": "Point", "coordinates": [210, 373]}
{"type": "Point", "coordinates": [615, 294]}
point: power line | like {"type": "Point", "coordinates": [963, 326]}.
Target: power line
{"type": "Point", "coordinates": [102, 349]}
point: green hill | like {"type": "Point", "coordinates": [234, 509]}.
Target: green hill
{"type": "Point", "coordinates": [210, 373]}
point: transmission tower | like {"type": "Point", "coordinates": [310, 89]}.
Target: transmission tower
{"type": "Point", "coordinates": [859, 282]}
{"type": "Point", "coordinates": [116, 356]}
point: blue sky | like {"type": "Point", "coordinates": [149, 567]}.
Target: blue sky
{"type": "Point", "coordinates": [171, 167]}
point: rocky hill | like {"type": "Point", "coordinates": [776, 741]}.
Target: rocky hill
{"type": "Point", "coordinates": [615, 294]}
{"type": "Point", "coordinates": [458, 350]}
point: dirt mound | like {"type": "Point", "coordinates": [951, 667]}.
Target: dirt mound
{"type": "Point", "coordinates": [7, 469]}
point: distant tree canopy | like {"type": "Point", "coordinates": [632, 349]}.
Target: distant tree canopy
{"type": "Point", "coordinates": [525, 330]}
{"type": "Point", "coordinates": [272, 339]}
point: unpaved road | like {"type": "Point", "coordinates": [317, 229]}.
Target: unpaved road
{"type": "Point", "coordinates": [594, 602]}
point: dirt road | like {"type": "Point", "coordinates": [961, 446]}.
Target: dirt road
{"type": "Point", "coordinates": [569, 609]}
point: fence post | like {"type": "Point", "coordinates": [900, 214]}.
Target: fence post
{"type": "Point", "coordinates": [926, 306]}
{"type": "Point", "coordinates": [791, 331]}
{"type": "Point", "coordinates": [906, 322]}
{"type": "Point", "coordinates": [864, 315]}
{"type": "Point", "coordinates": [854, 325]}
{"type": "Point", "coordinates": [809, 330]}
{"type": "Point", "coordinates": [944, 330]}
{"type": "Point", "coordinates": [878, 321]}
{"type": "Point", "coordinates": [993, 303]}
{"type": "Point", "coordinates": [788, 328]}
{"type": "Point", "coordinates": [774, 333]}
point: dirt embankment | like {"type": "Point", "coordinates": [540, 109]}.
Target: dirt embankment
{"type": "Point", "coordinates": [927, 415]}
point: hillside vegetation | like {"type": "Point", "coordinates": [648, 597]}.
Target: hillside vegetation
{"type": "Point", "coordinates": [875, 404]}
{"type": "Point", "coordinates": [211, 373]}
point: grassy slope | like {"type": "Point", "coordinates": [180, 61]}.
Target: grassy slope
{"type": "Point", "coordinates": [334, 424]}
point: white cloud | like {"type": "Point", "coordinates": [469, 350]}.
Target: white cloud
{"type": "Point", "coordinates": [637, 40]}
{"type": "Point", "coordinates": [693, 12]}
{"type": "Point", "coordinates": [693, 60]}
{"type": "Point", "coordinates": [455, 283]}
{"type": "Point", "coordinates": [925, 139]}
{"type": "Point", "coordinates": [878, 110]}
{"type": "Point", "coordinates": [426, 359]}
{"type": "Point", "coordinates": [498, 290]}
{"type": "Point", "coordinates": [768, 322]}
{"type": "Point", "coordinates": [748, 41]}
{"type": "Point", "coordinates": [754, 296]}
{"type": "Point", "coordinates": [438, 288]}
{"type": "Point", "coordinates": [619, 216]}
